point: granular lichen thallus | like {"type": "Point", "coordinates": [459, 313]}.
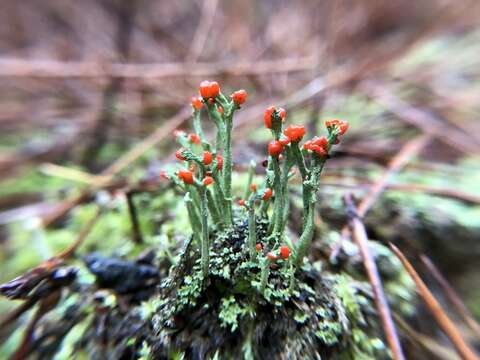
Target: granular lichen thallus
{"type": "Point", "coordinates": [206, 178]}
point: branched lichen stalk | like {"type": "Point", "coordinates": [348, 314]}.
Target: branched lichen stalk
{"type": "Point", "coordinates": [227, 166]}
{"type": "Point", "coordinates": [265, 204]}
{"type": "Point", "coordinates": [265, 272]}
{"type": "Point", "coordinates": [251, 172]}
{"type": "Point", "coordinates": [300, 160]}
{"type": "Point", "coordinates": [310, 188]}
{"type": "Point", "coordinates": [283, 184]}
{"type": "Point", "coordinates": [197, 126]}
{"type": "Point", "coordinates": [205, 240]}
{"type": "Point", "coordinates": [279, 204]}
{"type": "Point", "coordinates": [214, 211]}
{"type": "Point", "coordinates": [193, 216]}
{"type": "Point", "coordinates": [252, 232]}
{"type": "Point", "coordinates": [219, 194]}
{"type": "Point", "coordinates": [279, 199]}
{"type": "Point", "coordinates": [306, 237]}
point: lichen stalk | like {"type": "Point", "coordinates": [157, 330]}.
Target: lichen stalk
{"type": "Point", "coordinates": [279, 203]}
{"type": "Point", "coordinates": [193, 216]}
{"type": "Point", "coordinates": [213, 208]}
{"type": "Point", "coordinates": [197, 126]}
{"type": "Point", "coordinates": [205, 256]}
{"type": "Point", "coordinates": [251, 172]}
{"type": "Point", "coordinates": [265, 272]}
{"type": "Point", "coordinates": [227, 170]}
{"type": "Point", "coordinates": [300, 161]}
{"type": "Point", "coordinates": [252, 231]}
{"type": "Point", "coordinates": [310, 188]}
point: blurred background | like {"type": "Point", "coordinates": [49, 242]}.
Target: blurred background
{"type": "Point", "coordinates": [91, 91]}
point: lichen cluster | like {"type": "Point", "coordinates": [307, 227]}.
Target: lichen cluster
{"type": "Point", "coordinates": [238, 292]}
{"type": "Point", "coordinates": [325, 314]}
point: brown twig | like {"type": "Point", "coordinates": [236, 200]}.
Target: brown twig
{"type": "Point", "coordinates": [424, 342]}
{"type": "Point", "coordinates": [360, 238]}
{"type": "Point", "coordinates": [206, 20]}
{"type": "Point", "coordinates": [438, 313]}
{"type": "Point", "coordinates": [452, 296]}
{"type": "Point", "coordinates": [422, 119]}
{"type": "Point", "coordinates": [409, 150]}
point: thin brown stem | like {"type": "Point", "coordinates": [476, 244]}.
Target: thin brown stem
{"type": "Point", "coordinates": [452, 296]}
{"type": "Point", "coordinates": [435, 308]}
{"type": "Point", "coordinates": [360, 237]}
{"type": "Point", "coordinates": [409, 150]}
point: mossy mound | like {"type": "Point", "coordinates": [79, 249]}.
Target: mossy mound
{"type": "Point", "coordinates": [320, 315]}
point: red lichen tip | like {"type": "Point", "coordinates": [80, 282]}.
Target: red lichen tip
{"type": "Point", "coordinates": [267, 194]}
{"type": "Point", "coordinates": [241, 202]}
{"type": "Point", "coordinates": [186, 176]}
{"type": "Point", "coordinates": [275, 148]}
{"type": "Point", "coordinates": [219, 162]}
{"type": "Point", "coordinates": [194, 138]}
{"type": "Point", "coordinates": [295, 132]}
{"type": "Point", "coordinates": [178, 154]}
{"type": "Point", "coordinates": [239, 97]}
{"type": "Point", "coordinates": [209, 89]}
{"type": "Point", "coordinates": [340, 125]}
{"type": "Point", "coordinates": [318, 145]}
{"type": "Point", "coordinates": [267, 116]}
{"type": "Point", "coordinates": [284, 252]}
{"type": "Point", "coordinates": [253, 187]}
{"type": "Point", "coordinates": [197, 102]}
{"type": "Point", "coordinates": [258, 247]}
{"type": "Point", "coordinates": [207, 180]}
{"type": "Point", "coordinates": [207, 158]}
{"type": "Point", "coordinates": [284, 140]}
{"type": "Point", "coordinates": [271, 112]}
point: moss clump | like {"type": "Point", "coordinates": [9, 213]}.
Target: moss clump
{"type": "Point", "coordinates": [322, 314]}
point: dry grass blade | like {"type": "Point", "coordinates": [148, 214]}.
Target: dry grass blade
{"type": "Point", "coordinates": [68, 173]}
{"type": "Point", "coordinates": [440, 316]}
{"type": "Point", "coordinates": [452, 296]}
{"type": "Point", "coordinates": [360, 237]}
